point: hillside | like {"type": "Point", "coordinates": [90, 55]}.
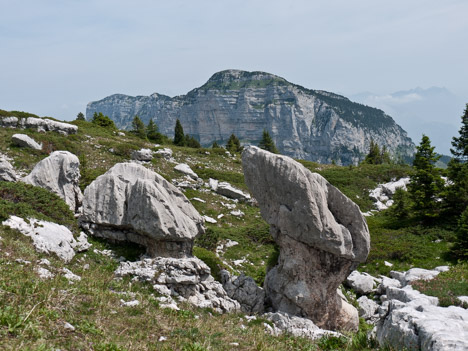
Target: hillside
{"type": "Point", "coordinates": [34, 312]}
{"type": "Point", "coordinates": [306, 124]}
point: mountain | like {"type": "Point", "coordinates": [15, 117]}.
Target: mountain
{"type": "Point", "coordinates": [434, 111]}
{"type": "Point", "coordinates": [307, 124]}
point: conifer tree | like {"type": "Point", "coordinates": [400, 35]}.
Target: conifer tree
{"type": "Point", "coordinates": [425, 182]}
{"type": "Point", "coordinates": [103, 121]}
{"type": "Point", "coordinates": [456, 196]}
{"type": "Point", "coordinates": [152, 132]}
{"type": "Point", "coordinates": [179, 137]}
{"type": "Point", "coordinates": [215, 145]}
{"type": "Point", "coordinates": [373, 156]}
{"type": "Point", "coordinates": [80, 117]}
{"type": "Point", "coordinates": [267, 143]}
{"type": "Point", "coordinates": [233, 144]}
{"type": "Point", "coordinates": [460, 248]}
{"type": "Point", "coordinates": [138, 127]}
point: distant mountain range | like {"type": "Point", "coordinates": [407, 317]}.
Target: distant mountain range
{"type": "Point", "coordinates": [434, 111]}
{"type": "Point", "coordinates": [306, 124]}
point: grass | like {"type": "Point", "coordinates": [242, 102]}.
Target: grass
{"type": "Point", "coordinates": [447, 286]}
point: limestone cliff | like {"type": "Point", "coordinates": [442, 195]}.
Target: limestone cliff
{"type": "Point", "coordinates": [306, 124]}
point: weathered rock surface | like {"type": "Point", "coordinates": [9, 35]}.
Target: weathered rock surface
{"type": "Point", "coordinates": [24, 140]}
{"type": "Point", "coordinates": [296, 326]}
{"type": "Point", "coordinates": [49, 237]}
{"type": "Point", "coordinates": [362, 283]}
{"type": "Point", "coordinates": [60, 174]}
{"type": "Point", "coordinates": [367, 308]}
{"type": "Point", "coordinates": [414, 274]}
{"type": "Point", "coordinates": [244, 290]}
{"type": "Point", "coordinates": [39, 124]}
{"type": "Point", "coordinates": [186, 278]}
{"type": "Point", "coordinates": [412, 320]}
{"type": "Point", "coordinates": [132, 203]}
{"type": "Point", "coordinates": [185, 169]}
{"type": "Point", "coordinates": [321, 233]}
{"type": "Point", "coordinates": [142, 155]}
{"type": "Point", "coordinates": [7, 172]}
{"type": "Point", "coordinates": [305, 124]}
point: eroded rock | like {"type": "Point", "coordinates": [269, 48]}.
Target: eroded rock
{"type": "Point", "coordinates": [132, 203]}
{"type": "Point", "coordinates": [187, 278]}
{"type": "Point", "coordinates": [60, 174]}
{"type": "Point", "coordinates": [7, 172]}
{"type": "Point", "coordinates": [142, 155]}
{"type": "Point", "coordinates": [321, 233]}
{"type": "Point", "coordinates": [244, 290]}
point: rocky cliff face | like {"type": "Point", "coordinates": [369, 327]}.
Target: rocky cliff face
{"type": "Point", "coordinates": [306, 124]}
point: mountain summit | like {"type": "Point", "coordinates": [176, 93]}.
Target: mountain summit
{"type": "Point", "coordinates": [307, 124]}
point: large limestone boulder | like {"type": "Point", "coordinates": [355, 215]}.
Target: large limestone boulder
{"type": "Point", "coordinates": [132, 203]}
{"type": "Point", "coordinates": [7, 172]}
{"type": "Point", "coordinates": [60, 174]}
{"type": "Point", "coordinates": [321, 234]}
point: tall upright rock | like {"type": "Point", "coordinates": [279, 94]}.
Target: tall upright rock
{"type": "Point", "coordinates": [321, 234]}
{"type": "Point", "coordinates": [307, 124]}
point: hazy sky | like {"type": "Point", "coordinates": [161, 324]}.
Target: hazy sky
{"type": "Point", "coordinates": [56, 56]}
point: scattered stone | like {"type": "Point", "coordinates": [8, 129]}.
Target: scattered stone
{"type": "Point", "coordinates": [189, 278]}
{"type": "Point", "coordinates": [417, 274]}
{"type": "Point", "coordinates": [361, 283]}
{"type": "Point", "coordinates": [145, 155]}
{"type": "Point", "coordinates": [210, 220]}
{"type": "Point", "coordinates": [44, 261]}
{"type": "Point", "coordinates": [165, 153]}
{"type": "Point", "coordinates": [60, 174]}
{"type": "Point", "coordinates": [44, 273]}
{"type": "Point", "coordinates": [237, 213]}
{"type": "Point", "coordinates": [463, 299]}
{"type": "Point", "coordinates": [120, 133]}
{"type": "Point", "coordinates": [407, 294]}
{"type": "Point", "coordinates": [244, 290]}
{"type": "Point", "coordinates": [185, 169]}
{"type": "Point", "coordinates": [21, 261]}
{"type": "Point", "coordinates": [198, 199]}
{"type": "Point", "coordinates": [321, 234]}
{"type": "Point", "coordinates": [226, 189]}
{"type": "Point", "coordinates": [132, 303]}
{"type": "Point", "coordinates": [47, 237]}
{"type": "Point", "coordinates": [386, 283]}
{"type": "Point", "coordinates": [132, 203]}
{"type": "Point", "coordinates": [162, 338]}
{"type": "Point", "coordinates": [70, 276]}
{"type": "Point", "coordinates": [167, 302]}
{"type": "Point", "coordinates": [68, 326]}
{"type": "Point", "coordinates": [367, 308]}
{"type": "Point", "coordinates": [296, 326]}
{"type": "Point", "coordinates": [383, 194]}
{"type": "Point", "coordinates": [388, 264]}
{"type": "Point", "coordinates": [23, 140]}
{"type": "Point", "coordinates": [7, 172]}
{"type": "Point", "coordinates": [86, 266]}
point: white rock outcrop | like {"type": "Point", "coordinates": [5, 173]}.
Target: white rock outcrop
{"type": "Point", "coordinates": [48, 237]}
{"type": "Point", "coordinates": [60, 174]}
{"type": "Point", "coordinates": [322, 237]}
{"type": "Point", "coordinates": [383, 194]}
{"type": "Point", "coordinates": [362, 283]}
{"type": "Point", "coordinates": [132, 203]}
{"type": "Point", "coordinates": [185, 169]}
{"type": "Point", "coordinates": [39, 124]}
{"type": "Point", "coordinates": [188, 279]}
{"type": "Point", "coordinates": [24, 140]}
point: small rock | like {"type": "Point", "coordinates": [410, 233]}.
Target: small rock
{"type": "Point", "coordinates": [367, 307]}
{"type": "Point", "coordinates": [44, 261]}
{"type": "Point", "coordinates": [70, 275]}
{"type": "Point", "coordinates": [198, 199]}
{"type": "Point", "coordinates": [362, 283]}
{"type": "Point", "coordinates": [210, 220]}
{"type": "Point", "coordinates": [237, 213]}
{"type": "Point", "coordinates": [132, 303]}
{"type": "Point", "coordinates": [388, 264]}
{"type": "Point", "coordinates": [162, 338]}
{"type": "Point", "coordinates": [68, 326]}
{"type": "Point", "coordinates": [44, 273]}
{"type": "Point", "coordinates": [21, 261]}
{"type": "Point", "coordinates": [142, 155]}
{"type": "Point", "coordinates": [185, 169]}
{"type": "Point", "coordinates": [86, 266]}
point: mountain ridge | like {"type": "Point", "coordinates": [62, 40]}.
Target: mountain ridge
{"type": "Point", "coordinates": [309, 124]}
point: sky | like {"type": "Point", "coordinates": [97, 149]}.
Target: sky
{"type": "Point", "coordinates": [58, 55]}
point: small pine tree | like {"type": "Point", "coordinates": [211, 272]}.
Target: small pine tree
{"type": "Point", "coordinates": [215, 145]}
{"type": "Point", "coordinates": [460, 248]}
{"type": "Point", "coordinates": [190, 141]}
{"type": "Point", "coordinates": [152, 132]}
{"type": "Point", "coordinates": [103, 121]}
{"type": "Point", "coordinates": [80, 117]}
{"type": "Point", "coordinates": [179, 137]}
{"type": "Point", "coordinates": [426, 183]}
{"type": "Point", "coordinates": [267, 143]}
{"type": "Point", "coordinates": [138, 127]}
{"type": "Point", "coordinates": [373, 156]}
{"type": "Point", "coordinates": [401, 204]}
{"type": "Point", "coordinates": [456, 196]}
{"type": "Point", "coordinates": [233, 144]}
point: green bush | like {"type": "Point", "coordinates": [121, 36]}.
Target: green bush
{"type": "Point", "coordinates": [210, 259]}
